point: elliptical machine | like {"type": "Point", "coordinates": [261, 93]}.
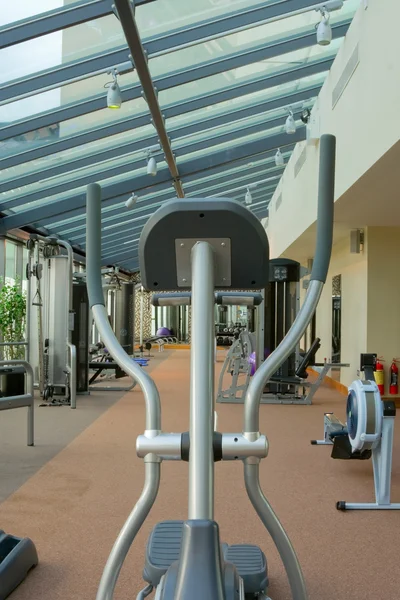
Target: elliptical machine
{"type": "Point", "coordinates": [206, 244]}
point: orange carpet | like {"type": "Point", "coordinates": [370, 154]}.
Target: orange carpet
{"type": "Point", "coordinates": [75, 505]}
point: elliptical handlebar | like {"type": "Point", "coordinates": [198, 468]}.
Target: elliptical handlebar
{"type": "Point", "coordinates": [150, 392]}
{"type": "Point", "coordinates": [319, 273]}
{"type": "Point", "coordinates": [280, 354]}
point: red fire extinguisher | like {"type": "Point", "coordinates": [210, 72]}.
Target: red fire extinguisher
{"type": "Point", "coordinates": [380, 375]}
{"type": "Point", "coordinates": [394, 378]}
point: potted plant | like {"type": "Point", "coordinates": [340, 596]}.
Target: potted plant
{"type": "Point", "coordinates": [12, 329]}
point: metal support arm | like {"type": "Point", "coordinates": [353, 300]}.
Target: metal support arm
{"type": "Point", "coordinates": [139, 58]}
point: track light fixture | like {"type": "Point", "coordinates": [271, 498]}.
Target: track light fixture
{"type": "Point", "coordinates": [279, 160]}
{"type": "Point", "coordinates": [114, 98]}
{"type": "Point", "coordinates": [290, 124]}
{"type": "Point", "coordinates": [305, 115]}
{"type": "Point", "coordinates": [324, 30]}
{"type": "Point", "coordinates": [130, 203]}
{"type": "Point", "coordinates": [151, 165]}
{"type": "Point", "coordinates": [248, 197]}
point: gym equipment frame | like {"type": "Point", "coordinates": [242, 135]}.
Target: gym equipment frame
{"type": "Point", "coordinates": [207, 244]}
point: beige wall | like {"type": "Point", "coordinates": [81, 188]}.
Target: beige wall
{"type": "Point", "coordinates": [362, 121]}
{"type": "Point", "coordinates": [354, 274]}
{"type": "Point", "coordinates": [383, 315]}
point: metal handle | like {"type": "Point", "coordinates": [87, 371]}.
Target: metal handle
{"type": "Point", "coordinates": [96, 299]}
{"type": "Point", "coordinates": [129, 532]}
{"type": "Point", "coordinates": [318, 277]}
{"type": "Point", "coordinates": [26, 399]}
{"type": "Point", "coordinates": [224, 298]}
{"type": "Point", "coordinates": [276, 531]}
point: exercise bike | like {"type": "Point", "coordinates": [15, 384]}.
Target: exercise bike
{"type": "Point", "coordinates": [206, 244]}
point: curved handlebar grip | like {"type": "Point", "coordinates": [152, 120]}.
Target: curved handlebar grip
{"type": "Point", "coordinates": [326, 199]}
{"type": "Point", "coordinates": [93, 245]}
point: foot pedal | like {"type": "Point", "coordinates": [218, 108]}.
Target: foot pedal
{"type": "Point", "coordinates": [163, 548]}
{"type": "Point", "coordinates": [251, 565]}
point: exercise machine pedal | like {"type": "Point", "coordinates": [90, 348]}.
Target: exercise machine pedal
{"type": "Point", "coordinates": [164, 547]}
{"type": "Point", "coordinates": [17, 557]}
{"type": "Point", "coordinates": [251, 564]}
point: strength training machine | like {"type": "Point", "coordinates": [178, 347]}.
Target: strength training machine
{"type": "Point", "coordinates": [367, 434]}
{"type": "Point", "coordinates": [207, 244]}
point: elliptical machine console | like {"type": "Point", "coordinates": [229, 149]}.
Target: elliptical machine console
{"type": "Point", "coordinates": [207, 244]}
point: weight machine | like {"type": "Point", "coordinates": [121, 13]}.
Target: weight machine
{"type": "Point", "coordinates": [51, 319]}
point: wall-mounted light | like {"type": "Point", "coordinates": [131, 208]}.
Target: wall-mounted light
{"type": "Point", "coordinates": [130, 203]}
{"type": "Point", "coordinates": [305, 115]}
{"type": "Point", "coordinates": [356, 241]}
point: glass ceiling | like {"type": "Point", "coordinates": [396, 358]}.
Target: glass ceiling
{"type": "Point", "coordinates": [227, 73]}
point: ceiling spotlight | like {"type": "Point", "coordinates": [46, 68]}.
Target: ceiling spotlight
{"type": "Point", "coordinates": [248, 198]}
{"type": "Point", "coordinates": [324, 30]}
{"type": "Point", "coordinates": [130, 203]}
{"type": "Point", "coordinates": [279, 160]}
{"type": "Point", "coordinates": [305, 115]}
{"type": "Point", "coordinates": [290, 125]}
{"type": "Point", "coordinates": [151, 165]}
{"type": "Point", "coordinates": [114, 98]}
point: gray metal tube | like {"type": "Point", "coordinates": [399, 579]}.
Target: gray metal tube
{"type": "Point", "coordinates": [71, 367]}
{"type": "Point", "coordinates": [26, 399]}
{"type": "Point", "coordinates": [28, 309]}
{"type": "Point", "coordinates": [201, 460]}
{"type": "Point", "coordinates": [129, 532]}
{"type": "Point", "coordinates": [99, 312]}
{"type": "Point", "coordinates": [276, 531]}
{"type": "Point", "coordinates": [151, 395]}
{"type": "Point", "coordinates": [278, 356]}
{"type": "Point", "coordinates": [70, 255]}
{"type": "Point", "coordinates": [326, 199]}
{"type": "Point", "coordinates": [93, 244]}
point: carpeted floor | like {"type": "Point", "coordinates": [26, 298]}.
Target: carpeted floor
{"type": "Point", "coordinates": [74, 506]}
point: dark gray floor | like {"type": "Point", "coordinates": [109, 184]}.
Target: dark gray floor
{"type": "Point", "coordinates": [55, 428]}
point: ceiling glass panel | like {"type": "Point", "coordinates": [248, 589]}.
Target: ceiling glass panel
{"type": "Point", "coordinates": [16, 11]}
{"type": "Point", "coordinates": [59, 47]}
{"type": "Point", "coordinates": [71, 127]}
{"type": "Point", "coordinates": [61, 97]}
{"type": "Point", "coordinates": [262, 121]}
{"type": "Point", "coordinates": [247, 73]}
{"type": "Point", "coordinates": [243, 102]}
{"type": "Point", "coordinates": [171, 14]}
{"type": "Point", "coordinates": [241, 41]}
{"type": "Point", "coordinates": [135, 159]}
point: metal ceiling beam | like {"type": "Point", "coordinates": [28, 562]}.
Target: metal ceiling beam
{"type": "Point", "coordinates": [120, 150]}
{"type": "Point", "coordinates": [140, 60]}
{"type": "Point", "coordinates": [237, 59]}
{"type": "Point", "coordinates": [197, 165]}
{"type": "Point", "coordinates": [179, 150]}
{"type": "Point", "coordinates": [178, 38]}
{"type": "Point", "coordinates": [251, 174]}
{"type": "Point", "coordinates": [147, 207]}
{"type": "Point", "coordinates": [194, 186]}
